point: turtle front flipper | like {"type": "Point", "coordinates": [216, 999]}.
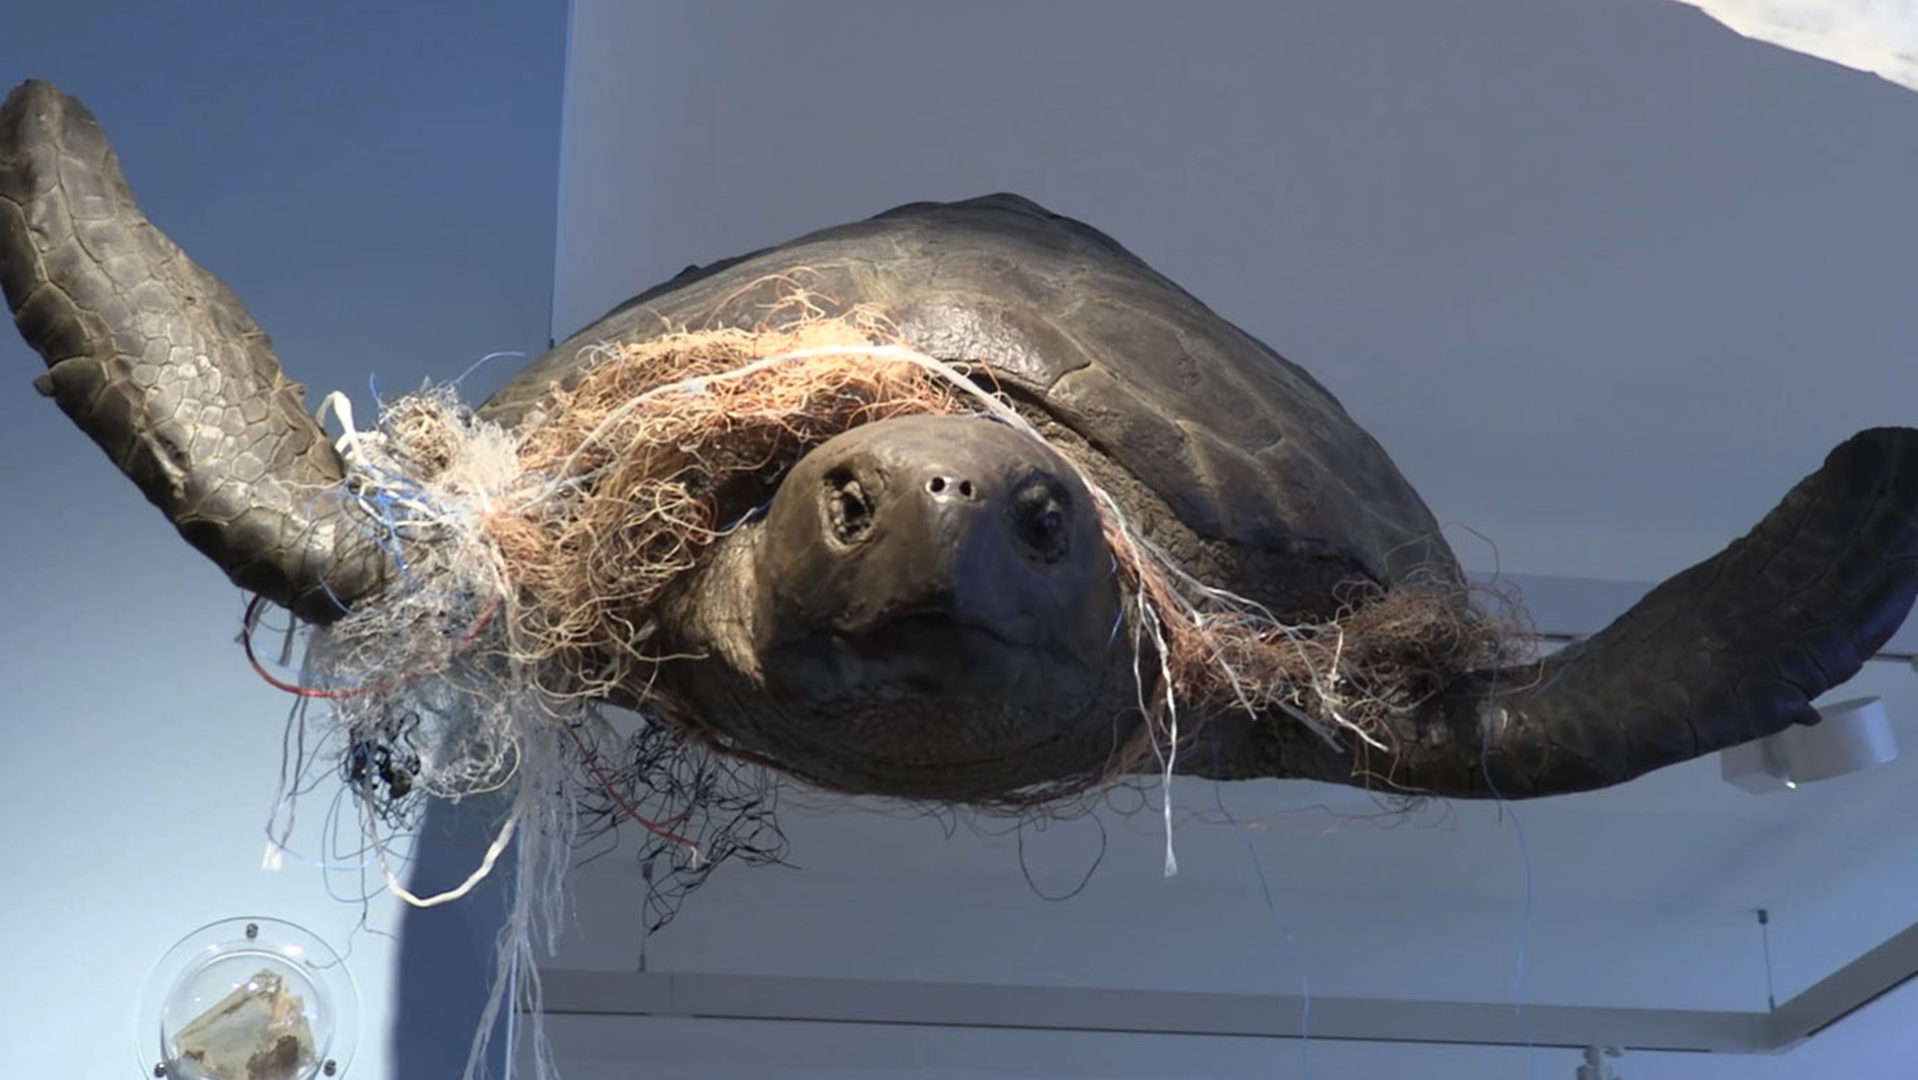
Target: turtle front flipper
{"type": "Point", "coordinates": [1734, 649]}
{"type": "Point", "coordinates": [156, 360]}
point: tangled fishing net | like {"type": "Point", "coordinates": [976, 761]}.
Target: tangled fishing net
{"type": "Point", "coordinates": [528, 565]}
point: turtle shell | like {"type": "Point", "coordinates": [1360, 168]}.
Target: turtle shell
{"type": "Point", "coordinates": [1232, 458]}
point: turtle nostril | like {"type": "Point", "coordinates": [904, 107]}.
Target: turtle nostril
{"type": "Point", "coordinates": [940, 485]}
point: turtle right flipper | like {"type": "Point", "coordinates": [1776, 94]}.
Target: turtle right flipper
{"type": "Point", "coordinates": [157, 361]}
{"type": "Point", "coordinates": [1734, 649]}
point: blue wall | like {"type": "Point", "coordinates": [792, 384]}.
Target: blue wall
{"type": "Point", "coordinates": [376, 181]}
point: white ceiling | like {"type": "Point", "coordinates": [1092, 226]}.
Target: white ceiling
{"type": "Point", "coordinates": [1870, 35]}
{"type": "Point", "coordinates": [1604, 278]}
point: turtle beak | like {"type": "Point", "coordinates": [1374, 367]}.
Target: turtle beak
{"type": "Point", "coordinates": [920, 545]}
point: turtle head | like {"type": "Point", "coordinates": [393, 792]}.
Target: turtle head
{"type": "Point", "coordinates": [941, 554]}
{"type": "Point", "coordinates": [935, 591]}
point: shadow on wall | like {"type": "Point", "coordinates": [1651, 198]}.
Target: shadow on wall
{"type": "Point", "coordinates": [446, 953]}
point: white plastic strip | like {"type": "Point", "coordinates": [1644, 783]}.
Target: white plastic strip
{"type": "Point", "coordinates": [1146, 1012]}
{"type": "Point", "coordinates": [1879, 36]}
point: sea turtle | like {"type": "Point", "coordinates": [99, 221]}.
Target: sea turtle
{"type": "Point", "coordinates": [927, 606]}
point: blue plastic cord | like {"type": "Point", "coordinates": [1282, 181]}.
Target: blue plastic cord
{"type": "Point", "coordinates": [1525, 919]}
{"type": "Point", "coordinates": [1279, 927]}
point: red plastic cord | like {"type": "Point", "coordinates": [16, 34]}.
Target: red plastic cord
{"type": "Point", "coordinates": [661, 829]}
{"type": "Point", "coordinates": [657, 828]}
{"type": "Point", "coordinates": [252, 621]}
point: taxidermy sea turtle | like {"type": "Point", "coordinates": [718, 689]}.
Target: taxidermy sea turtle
{"type": "Point", "coordinates": [929, 606]}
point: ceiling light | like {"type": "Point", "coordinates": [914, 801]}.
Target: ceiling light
{"type": "Point", "coordinates": [1851, 736]}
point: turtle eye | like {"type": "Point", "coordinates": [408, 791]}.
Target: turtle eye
{"type": "Point", "coordinates": [848, 508]}
{"type": "Point", "coordinates": [1042, 519]}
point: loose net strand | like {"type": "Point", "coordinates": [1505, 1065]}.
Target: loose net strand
{"type": "Point", "coordinates": [528, 567]}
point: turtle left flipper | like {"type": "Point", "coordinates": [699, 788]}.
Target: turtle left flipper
{"type": "Point", "coordinates": [156, 360]}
